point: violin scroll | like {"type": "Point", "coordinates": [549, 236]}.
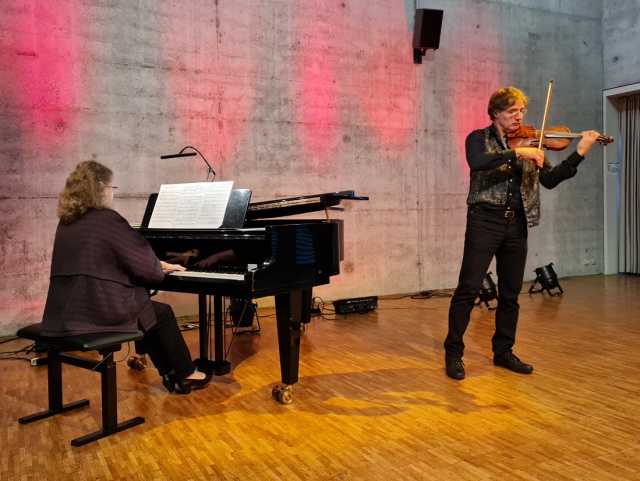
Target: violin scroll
{"type": "Point", "coordinates": [604, 140]}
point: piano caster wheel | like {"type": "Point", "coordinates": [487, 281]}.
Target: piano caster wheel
{"type": "Point", "coordinates": [283, 394]}
{"type": "Point", "coordinates": [138, 363]}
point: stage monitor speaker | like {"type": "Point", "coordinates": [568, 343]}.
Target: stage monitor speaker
{"type": "Point", "coordinates": [427, 28]}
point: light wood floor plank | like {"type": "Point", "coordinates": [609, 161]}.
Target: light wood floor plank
{"type": "Point", "coordinates": [372, 402]}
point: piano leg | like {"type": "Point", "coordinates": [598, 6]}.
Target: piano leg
{"type": "Point", "coordinates": [292, 310]}
{"type": "Point", "coordinates": [204, 330]}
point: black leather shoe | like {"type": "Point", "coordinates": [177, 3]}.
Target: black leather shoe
{"type": "Point", "coordinates": [454, 366]}
{"type": "Point", "coordinates": [169, 382]}
{"type": "Point", "coordinates": [185, 386]}
{"type": "Point", "coordinates": [510, 361]}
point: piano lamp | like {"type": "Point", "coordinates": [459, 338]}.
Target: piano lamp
{"type": "Point", "coordinates": [548, 280]}
{"type": "Point", "coordinates": [488, 291]}
{"type": "Point", "coordinates": [182, 153]}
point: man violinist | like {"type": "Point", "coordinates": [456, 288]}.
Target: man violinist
{"type": "Point", "coordinates": [503, 203]}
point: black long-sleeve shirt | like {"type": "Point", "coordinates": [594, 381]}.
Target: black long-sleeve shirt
{"type": "Point", "coordinates": [480, 160]}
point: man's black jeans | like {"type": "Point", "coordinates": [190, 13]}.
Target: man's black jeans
{"type": "Point", "coordinates": [489, 234]}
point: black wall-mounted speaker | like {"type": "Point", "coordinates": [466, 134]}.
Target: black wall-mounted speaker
{"type": "Point", "coordinates": [426, 32]}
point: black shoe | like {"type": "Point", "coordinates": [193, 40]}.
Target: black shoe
{"type": "Point", "coordinates": [510, 361]}
{"type": "Point", "coordinates": [185, 386]}
{"type": "Point", "coordinates": [454, 366]}
{"type": "Point", "coordinates": [169, 381]}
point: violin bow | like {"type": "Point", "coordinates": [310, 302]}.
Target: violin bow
{"type": "Point", "coordinates": [544, 118]}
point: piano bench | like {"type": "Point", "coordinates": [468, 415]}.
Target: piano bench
{"type": "Point", "coordinates": [106, 343]}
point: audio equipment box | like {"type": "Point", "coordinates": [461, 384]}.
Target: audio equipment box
{"type": "Point", "coordinates": [357, 304]}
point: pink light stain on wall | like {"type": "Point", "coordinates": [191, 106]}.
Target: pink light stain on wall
{"type": "Point", "coordinates": [383, 72]}
{"type": "Point", "coordinates": [318, 109]}
{"type": "Point", "coordinates": [213, 107]}
{"type": "Point", "coordinates": [388, 101]}
{"type": "Point", "coordinates": [46, 69]}
{"type": "Point", "coordinates": [316, 106]}
{"type": "Point", "coordinates": [474, 78]}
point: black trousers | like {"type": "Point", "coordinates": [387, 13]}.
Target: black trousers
{"type": "Point", "coordinates": [165, 345]}
{"type": "Point", "coordinates": [488, 235]}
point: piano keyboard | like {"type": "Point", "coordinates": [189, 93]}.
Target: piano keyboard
{"type": "Point", "coordinates": [231, 274]}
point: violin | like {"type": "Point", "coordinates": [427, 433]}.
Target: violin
{"type": "Point", "coordinates": [555, 138]}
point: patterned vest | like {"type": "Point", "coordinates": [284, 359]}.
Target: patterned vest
{"type": "Point", "coordinates": [490, 186]}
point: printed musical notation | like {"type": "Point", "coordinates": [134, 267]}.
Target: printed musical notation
{"type": "Point", "coordinates": [199, 205]}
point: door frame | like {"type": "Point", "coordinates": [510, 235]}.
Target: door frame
{"type": "Point", "coordinates": [611, 173]}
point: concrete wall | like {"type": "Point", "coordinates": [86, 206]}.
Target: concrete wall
{"type": "Point", "coordinates": [291, 97]}
{"type": "Point", "coordinates": [621, 35]}
{"type": "Point", "coordinates": [621, 59]}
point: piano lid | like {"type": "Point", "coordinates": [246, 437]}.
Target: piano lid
{"type": "Point", "coordinates": [299, 205]}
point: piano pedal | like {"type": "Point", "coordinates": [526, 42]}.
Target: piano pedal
{"type": "Point", "coordinates": [243, 330]}
{"type": "Point", "coordinates": [139, 363]}
{"type": "Point", "coordinates": [283, 394]}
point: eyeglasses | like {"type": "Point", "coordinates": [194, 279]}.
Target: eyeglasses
{"type": "Point", "coordinates": [115, 189]}
{"type": "Point", "coordinates": [513, 113]}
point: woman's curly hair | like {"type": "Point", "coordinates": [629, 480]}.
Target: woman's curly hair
{"type": "Point", "coordinates": [85, 190]}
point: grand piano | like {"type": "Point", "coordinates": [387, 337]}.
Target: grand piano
{"type": "Point", "coordinates": [255, 253]}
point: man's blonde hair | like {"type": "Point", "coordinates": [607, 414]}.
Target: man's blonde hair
{"type": "Point", "coordinates": [505, 98]}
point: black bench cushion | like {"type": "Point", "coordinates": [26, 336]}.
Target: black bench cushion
{"type": "Point", "coordinates": [80, 342]}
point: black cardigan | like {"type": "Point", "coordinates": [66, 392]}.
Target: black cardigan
{"type": "Point", "coordinates": [99, 268]}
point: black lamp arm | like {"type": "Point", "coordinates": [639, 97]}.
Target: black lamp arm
{"type": "Point", "coordinates": [203, 158]}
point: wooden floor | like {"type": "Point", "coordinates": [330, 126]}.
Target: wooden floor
{"type": "Point", "coordinates": [373, 402]}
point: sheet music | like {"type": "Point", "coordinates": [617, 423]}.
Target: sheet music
{"type": "Point", "coordinates": [199, 205]}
